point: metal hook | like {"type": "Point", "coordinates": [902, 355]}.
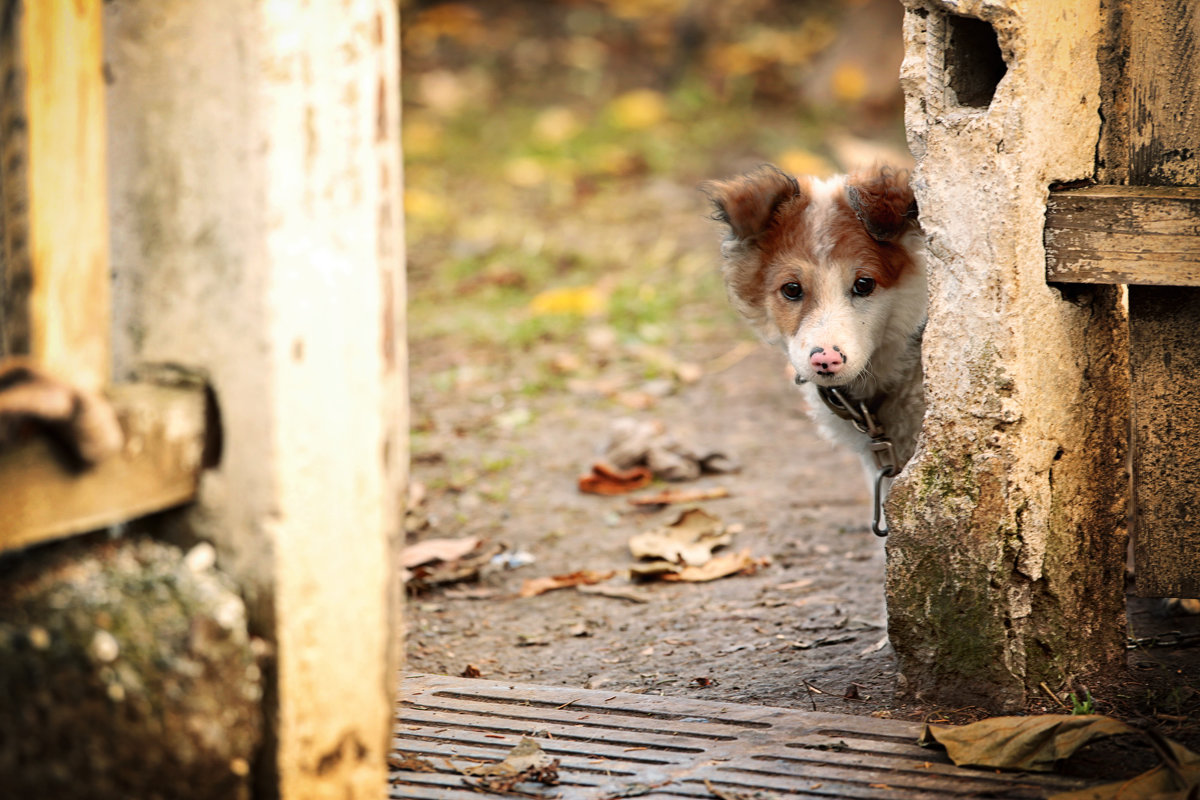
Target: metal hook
{"type": "Point", "coordinates": [878, 516]}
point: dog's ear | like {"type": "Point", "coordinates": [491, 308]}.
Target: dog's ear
{"type": "Point", "coordinates": [748, 203]}
{"type": "Point", "coordinates": [883, 201]}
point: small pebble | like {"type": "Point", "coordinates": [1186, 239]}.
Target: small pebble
{"type": "Point", "coordinates": [104, 647]}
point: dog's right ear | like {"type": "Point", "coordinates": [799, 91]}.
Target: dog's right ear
{"type": "Point", "coordinates": [748, 203]}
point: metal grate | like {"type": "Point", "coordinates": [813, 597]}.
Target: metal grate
{"type": "Point", "coordinates": [630, 745]}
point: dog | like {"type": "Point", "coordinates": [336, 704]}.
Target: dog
{"type": "Point", "coordinates": [832, 271]}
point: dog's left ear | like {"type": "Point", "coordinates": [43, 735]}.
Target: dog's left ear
{"type": "Point", "coordinates": [883, 201]}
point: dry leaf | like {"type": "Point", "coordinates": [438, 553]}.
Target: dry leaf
{"type": "Point", "coordinates": [677, 496]}
{"type": "Point", "coordinates": [617, 592]}
{"type": "Point", "coordinates": [1025, 743]}
{"type": "Point", "coordinates": [409, 762]}
{"type": "Point", "coordinates": [584, 301]}
{"type": "Point", "coordinates": [1038, 743]}
{"type": "Point", "coordinates": [606, 480]}
{"type": "Point", "coordinates": [689, 540]}
{"type": "Point", "coordinates": [536, 586]}
{"type": "Point", "coordinates": [431, 550]}
{"type": "Point", "coordinates": [525, 762]}
{"type": "Point", "coordinates": [718, 567]}
{"type": "Point", "coordinates": [638, 109]}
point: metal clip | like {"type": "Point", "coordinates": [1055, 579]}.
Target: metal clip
{"type": "Point", "coordinates": [884, 453]}
{"type": "Point", "coordinates": [878, 504]}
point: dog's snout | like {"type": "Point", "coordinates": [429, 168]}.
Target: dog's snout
{"type": "Point", "coordinates": [827, 360]}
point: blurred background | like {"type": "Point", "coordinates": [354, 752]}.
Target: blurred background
{"type": "Point", "coordinates": [553, 148]}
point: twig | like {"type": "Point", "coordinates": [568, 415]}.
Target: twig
{"type": "Point", "coordinates": [1053, 696]}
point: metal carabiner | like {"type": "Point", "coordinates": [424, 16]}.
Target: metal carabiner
{"type": "Point", "coordinates": [884, 472]}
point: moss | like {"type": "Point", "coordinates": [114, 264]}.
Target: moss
{"type": "Point", "coordinates": [137, 669]}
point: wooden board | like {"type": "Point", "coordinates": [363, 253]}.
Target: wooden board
{"type": "Point", "coordinates": [1164, 329]}
{"type": "Point", "coordinates": [159, 466]}
{"type": "Point", "coordinates": [1164, 92]}
{"type": "Point", "coordinates": [1164, 336]}
{"type": "Point", "coordinates": [56, 277]}
{"type": "Point", "coordinates": [1145, 235]}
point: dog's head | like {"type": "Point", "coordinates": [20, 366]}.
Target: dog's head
{"type": "Point", "coordinates": [832, 270]}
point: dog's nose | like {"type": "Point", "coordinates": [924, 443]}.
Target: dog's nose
{"type": "Point", "coordinates": [827, 360]}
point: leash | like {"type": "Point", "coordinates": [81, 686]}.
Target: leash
{"type": "Point", "coordinates": [861, 415]}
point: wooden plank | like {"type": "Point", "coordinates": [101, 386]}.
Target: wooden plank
{"type": "Point", "coordinates": [1164, 101]}
{"type": "Point", "coordinates": [1164, 323]}
{"type": "Point", "coordinates": [56, 278]}
{"type": "Point", "coordinates": [1124, 234]}
{"type": "Point", "coordinates": [158, 467]}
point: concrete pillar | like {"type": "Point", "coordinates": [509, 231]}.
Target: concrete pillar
{"type": "Point", "coordinates": [255, 194]}
{"type": "Point", "coordinates": [1005, 563]}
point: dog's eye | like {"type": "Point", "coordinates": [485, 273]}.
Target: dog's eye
{"type": "Point", "coordinates": [792, 291]}
{"type": "Point", "coordinates": [863, 286]}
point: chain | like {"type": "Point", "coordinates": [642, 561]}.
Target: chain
{"type": "Point", "coordinates": [1169, 639]}
{"type": "Point", "coordinates": [880, 447]}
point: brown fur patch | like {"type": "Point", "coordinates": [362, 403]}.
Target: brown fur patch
{"type": "Point", "coordinates": [883, 199]}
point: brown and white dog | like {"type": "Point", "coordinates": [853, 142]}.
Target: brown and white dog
{"type": "Point", "coordinates": [833, 272]}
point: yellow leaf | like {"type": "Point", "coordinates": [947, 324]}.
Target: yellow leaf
{"type": "Point", "coordinates": [583, 301]}
{"type": "Point", "coordinates": [637, 110]}
{"type": "Point", "coordinates": [423, 205]}
{"type": "Point", "coordinates": [422, 138]}
{"type": "Point", "coordinates": [849, 83]}
{"type": "Point", "coordinates": [556, 125]}
{"type": "Point", "coordinates": [802, 162]}
{"type": "Point", "coordinates": [525, 172]}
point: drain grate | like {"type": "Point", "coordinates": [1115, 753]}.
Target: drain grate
{"type": "Point", "coordinates": [630, 745]}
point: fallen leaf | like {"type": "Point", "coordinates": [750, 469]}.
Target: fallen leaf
{"type": "Point", "coordinates": [1038, 743]}
{"type": "Point", "coordinates": [584, 301]}
{"type": "Point", "coordinates": [432, 550]}
{"type": "Point", "coordinates": [638, 109]}
{"type": "Point", "coordinates": [537, 586]}
{"type": "Point", "coordinates": [616, 592]}
{"type": "Point", "coordinates": [525, 762]}
{"type": "Point", "coordinates": [1023, 743]}
{"type": "Point", "coordinates": [607, 480]}
{"type": "Point", "coordinates": [409, 762]}
{"type": "Point", "coordinates": [678, 496]}
{"type": "Point", "coordinates": [471, 671]}
{"type": "Point", "coordinates": [689, 540]}
{"type": "Point", "coordinates": [718, 567]}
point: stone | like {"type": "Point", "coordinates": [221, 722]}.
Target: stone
{"type": "Point", "coordinates": [125, 671]}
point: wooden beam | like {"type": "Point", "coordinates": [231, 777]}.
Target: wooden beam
{"type": "Point", "coordinates": [56, 279]}
{"type": "Point", "coordinates": [1147, 235]}
{"type": "Point", "coordinates": [158, 467]}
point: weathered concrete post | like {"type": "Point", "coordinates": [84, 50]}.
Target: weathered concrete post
{"type": "Point", "coordinates": [1005, 563]}
{"type": "Point", "coordinates": [255, 183]}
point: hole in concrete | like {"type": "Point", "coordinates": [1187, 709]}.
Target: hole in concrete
{"type": "Point", "coordinates": [974, 63]}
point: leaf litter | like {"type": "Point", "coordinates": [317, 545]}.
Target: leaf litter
{"type": "Point", "coordinates": [527, 762]}
{"type": "Point", "coordinates": [1038, 744]}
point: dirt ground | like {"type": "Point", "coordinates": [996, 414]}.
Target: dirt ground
{"type": "Point", "coordinates": [563, 275]}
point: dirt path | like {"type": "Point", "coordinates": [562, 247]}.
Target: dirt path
{"type": "Point", "coordinates": [812, 616]}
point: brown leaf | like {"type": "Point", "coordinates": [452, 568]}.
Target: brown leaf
{"type": "Point", "coordinates": [1024, 743]}
{"type": "Point", "coordinates": [527, 755]}
{"type": "Point", "coordinates": [689, 540]}
{"type": "Point", "coordinates": [409, 762]}
{"type": "Point", "coordinates": [1038, 743]}
{"type": "Point", "coordinates": [718, 567]}
{"type": "Point", "coordinates": [471, 671]}
{"type": "Point", "coordinates": [606, 480]}
{"type": "Point", "coordinates": [536, 586]}
{"type": "Point", "coordinates": [432, 550]}
{"type": "Point", "coordinates": [678, 496]}
{"type": "Point", "coordinates": [632, 595]}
